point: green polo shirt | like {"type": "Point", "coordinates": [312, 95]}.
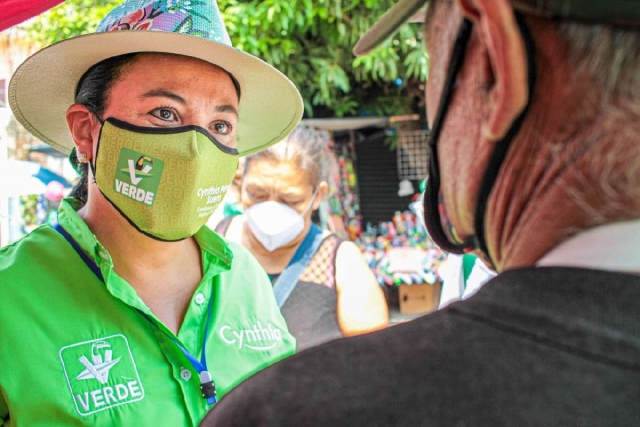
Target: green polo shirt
{"type": "Point", "coordinates": [75, 350]}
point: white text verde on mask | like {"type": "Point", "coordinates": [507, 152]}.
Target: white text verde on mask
{"type": "Point", "coordinates": [213, 194]}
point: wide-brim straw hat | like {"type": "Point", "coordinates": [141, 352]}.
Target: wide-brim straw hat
{"type": "Point", "coordinates": [44, 86]}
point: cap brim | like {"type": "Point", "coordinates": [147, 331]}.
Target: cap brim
{"type": "Point", "coordinates": [388, 24]}
{"type": "Point", "coordinates": [43, 87]}
{"type": "Point", "coordinates": [616, 12]}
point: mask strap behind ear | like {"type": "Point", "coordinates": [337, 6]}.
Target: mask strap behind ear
{"type": "Point", "coordinates": [73, 156]}
{"type": "Point", "coordinates": [95, 113]}
{"type": "Point", "coordinates": [497, 157]}
{"type": "Point", "coordinates": [92, 161]}
{"type": "Point", "coordinates": [502, 147]}
{"type": "Point", "coordinates": [313, 198]}
{"type": "Point", "coordinates": [432, 190]}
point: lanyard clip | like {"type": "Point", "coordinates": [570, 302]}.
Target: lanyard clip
{"type": "Point", "coordinates": [207, 387]}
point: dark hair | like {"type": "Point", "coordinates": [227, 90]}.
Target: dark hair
{"type": "Point", "coordinates": [93, 91]}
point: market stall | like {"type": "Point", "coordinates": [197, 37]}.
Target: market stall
{"type": "Point", "coordinates": [374, 203]}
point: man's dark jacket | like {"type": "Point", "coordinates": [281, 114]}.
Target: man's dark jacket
{"type": "Point", "coordinates": [534, 347]}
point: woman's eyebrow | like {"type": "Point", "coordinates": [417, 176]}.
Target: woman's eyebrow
{"type": "Point", "coordinates": [227, 108]}
{"type": "Point", "coordinates": [294, 195]}
{"type": "Point", "coordinates": [260, 188]}
{"type": "Point", "coordinates": [164, 93]}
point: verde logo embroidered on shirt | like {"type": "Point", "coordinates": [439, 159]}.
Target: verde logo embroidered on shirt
{"type": "Point", "coordinates": [101, 374]}
{"type": "Point", "coordinates": [139, 176]}
{"type": "Point", "coordinates": [256, 337]}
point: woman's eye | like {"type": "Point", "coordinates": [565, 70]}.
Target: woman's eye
{"type": "Point", "coordinates": [164, 114]}
{"type": "Point", "coordinates": [222, 128]}
{"type": "Point", "coordinates": [254, 196]}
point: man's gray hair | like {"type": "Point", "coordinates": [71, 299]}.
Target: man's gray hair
{"type": "Point", "coordinates": [610, 54]}
{"type": "Point", "coordinates": [611, 57]}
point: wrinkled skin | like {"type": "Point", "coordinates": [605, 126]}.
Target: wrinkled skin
{"type": "Point", "coordinates": [549, 184]}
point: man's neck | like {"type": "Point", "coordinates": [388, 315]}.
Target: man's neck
{"type": "Point", "coordinates": [576, 183]}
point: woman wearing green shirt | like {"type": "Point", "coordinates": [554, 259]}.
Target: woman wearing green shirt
{"type": "Point", "coordinates": [129, 310]}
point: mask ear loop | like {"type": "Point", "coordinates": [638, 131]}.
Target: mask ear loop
{"type": "Point", "coordinates": [313, 198]}
{"type": "Point", "coordinates": [432, 191]}
{"type": "Point", "coordinates": [92, 164]}
{"type": "Point", "coordinates": [72, 154]}
{"type": "Point", "coordinates": [432, 215]}
{"type": "Point", "coordinates": [502, 147]}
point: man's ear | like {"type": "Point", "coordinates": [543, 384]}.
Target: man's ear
{"type": "Point", "coordinates": [82, 125]}
{"type": "Point", "coordinates": [495, 23]}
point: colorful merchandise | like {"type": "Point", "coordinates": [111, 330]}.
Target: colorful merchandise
{"type": "Point", "coordinates": [381, 244]}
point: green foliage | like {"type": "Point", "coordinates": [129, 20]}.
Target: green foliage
{"type": "Point", "coordinates": [29, 206]}
{"type": "Point", "coordinates": [69, 19]}
{"type": "Point", "coordinates": [311, 40]}
{"type": "Point", "coordinates": [308, 40]}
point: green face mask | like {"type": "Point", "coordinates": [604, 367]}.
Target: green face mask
{"type": "Point", "coordinates": [165, 181]}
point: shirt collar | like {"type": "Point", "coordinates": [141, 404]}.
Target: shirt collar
{"type": "Point", "coordinates": [612, 247]}
{"type": "Point", "coordinates": [69, 219]}
{"type": "Point", "coordinates": [211, 244]}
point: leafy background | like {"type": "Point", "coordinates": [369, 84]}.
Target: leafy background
{"type": "Point", "coordinates": [308, 40]}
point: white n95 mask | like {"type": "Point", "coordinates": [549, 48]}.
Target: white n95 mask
{"type": "Point", "coordinates": [275, 224]}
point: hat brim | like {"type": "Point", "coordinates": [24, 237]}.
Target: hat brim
{"type": "Point", "coordinates": [388, 24]}
{"type": "Point", "coordinates": [43, 87]}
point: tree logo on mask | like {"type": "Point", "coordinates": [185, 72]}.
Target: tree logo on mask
{"type": "Point", "coordinates": [139, 176]}
{"type": "Point", "coordinates": [140, 170]}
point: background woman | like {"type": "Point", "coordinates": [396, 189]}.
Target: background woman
{"type": "Point", "coordinates": [336, 293]}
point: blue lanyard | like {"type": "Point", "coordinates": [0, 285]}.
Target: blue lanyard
{"type": "Point", "coordinates": [288, 280]}
{"type": "Point", "coordinates": [207, 386]}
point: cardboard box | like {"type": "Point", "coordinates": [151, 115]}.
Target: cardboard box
{"type": "Point", "coordinates": [415, 299]}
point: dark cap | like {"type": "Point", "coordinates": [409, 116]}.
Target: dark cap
{"type": "Point", "coordinates": [615, 12]}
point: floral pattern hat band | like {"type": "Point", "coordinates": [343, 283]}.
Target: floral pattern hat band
{"type": "Point", "coordinates": [43, 87]}
{"type": "Point", "coordinates": [196, 17]}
